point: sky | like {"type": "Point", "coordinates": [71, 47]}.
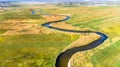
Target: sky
{"type": "Point", "coordinates": [59, 0]}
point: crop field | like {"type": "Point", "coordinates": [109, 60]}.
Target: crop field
{"type": "Point", "coordinates": [25, 43]}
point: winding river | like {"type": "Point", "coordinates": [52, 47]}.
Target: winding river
{"type": "Point", "coordinates": [63, 59]}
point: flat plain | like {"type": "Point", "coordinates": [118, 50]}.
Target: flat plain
{"type": "Point", "coordinates": [25, 43]}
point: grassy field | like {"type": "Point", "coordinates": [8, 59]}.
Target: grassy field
{"type": "Point", "coordinates": [32, 50]}
{"type": "Point", "coordinates": [2, 31]}
{"type": "Point", "coordinates": [22, 15]}
{"type": "Point", "coordinates": [100, 18]}
{"type": "Point", "coordinates": [40, 50]}
{"type": "Point", "coordinates": [108, 57]}
{"type": "Point", "coordinates": [29, 50]}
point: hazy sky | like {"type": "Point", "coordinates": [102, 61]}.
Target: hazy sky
{"type": "Point", "coordinates": [59, 0]}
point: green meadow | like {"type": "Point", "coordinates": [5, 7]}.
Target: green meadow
{"type": "Point", "coordinates": [29, 50]}
{"type": "Point", "coordinates": [32, 50]}
{"type": "Point", "coordinates": [100, 18]}
{"type": "Point", "coordinates": [108, 57]}
{"type": "Point", "coordinates": [21, 15]}
{"type": "Point", "coordinates": [40, 50]}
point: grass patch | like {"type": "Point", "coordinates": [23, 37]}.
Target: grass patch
{"type": "Point", "coordinates": [105, 19]}
{"type": "Point", "coordinates": [109, 55]}
{"type": "Point", "coordinates": [2, 31]}
{"type": "Point", "coordinates": [41, 50]}
{"type": "Point", "coordinates": [23, 15]}
{"type": "Point", "coordinates": [32, 50]}
{"type": "Point", "coordinates": [92, 23]}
